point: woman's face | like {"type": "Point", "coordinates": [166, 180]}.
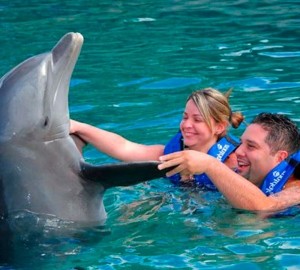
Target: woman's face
{"type": "Point", "coordinates": [196, 133]}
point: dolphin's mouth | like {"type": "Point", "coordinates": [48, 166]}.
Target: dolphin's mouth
{"type": "Point", "coordinates": [64, 58]}
{"type": "Point", "coordinates": [65, 55]}
{"type": "Point", "coordinates": [68, 46]}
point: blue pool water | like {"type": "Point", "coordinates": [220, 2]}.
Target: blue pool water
{"type": "Point", "coordinates": [139, 62]}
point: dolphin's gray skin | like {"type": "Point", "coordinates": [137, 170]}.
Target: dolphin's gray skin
{"type": "Point", "coordinates": [41, 168]}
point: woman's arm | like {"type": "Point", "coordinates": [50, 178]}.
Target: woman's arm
{"type": "Point", "coordinates": [240, 192]}
{"type": "Point", "coordinates": [115, 145]}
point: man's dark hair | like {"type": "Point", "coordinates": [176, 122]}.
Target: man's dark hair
{"type": "Point", "coordinates": [283, 133]}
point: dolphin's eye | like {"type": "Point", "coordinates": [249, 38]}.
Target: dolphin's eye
{"type": "Point", "coordinates": [46, 121]}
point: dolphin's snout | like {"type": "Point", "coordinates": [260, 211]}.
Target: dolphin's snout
{"type": "Point", "coordinates": [70, 43]}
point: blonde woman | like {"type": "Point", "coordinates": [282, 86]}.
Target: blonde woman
{"type": "Point", "coordinates": [203, 128]}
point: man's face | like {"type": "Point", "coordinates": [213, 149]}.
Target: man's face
{"type": "Point", "coordinates": [254, 155]}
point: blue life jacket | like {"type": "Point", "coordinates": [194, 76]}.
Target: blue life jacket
{"type": "Point", "coordinates": [278, 176]}
{"type": "Point", "coordinates": [220, 150]}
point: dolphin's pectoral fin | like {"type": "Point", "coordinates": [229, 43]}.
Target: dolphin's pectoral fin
{"type": "Point", "coordinates": [80, 143]}
{"type": "Point", "coordinates": [123, 173]}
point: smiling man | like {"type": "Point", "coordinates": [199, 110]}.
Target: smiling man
{"type": "Point", "coordinates": [267, 158]}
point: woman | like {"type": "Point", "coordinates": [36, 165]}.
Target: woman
{"type": "Point", "coordinates": [203, 128]}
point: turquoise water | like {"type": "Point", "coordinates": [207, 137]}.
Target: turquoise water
{"type": "Point", "coordinates": [139, 62]}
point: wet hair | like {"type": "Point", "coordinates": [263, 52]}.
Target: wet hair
{"type": "Point", "coordinates": [213, 104]}
{"type": "Point", "coordinates": [283, 133]}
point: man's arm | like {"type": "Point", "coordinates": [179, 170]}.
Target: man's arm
{"type": "Point", "coordinates": [240, 192]}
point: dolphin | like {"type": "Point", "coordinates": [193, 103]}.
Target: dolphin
{"type": "Point", "coordinates": [42, 169]}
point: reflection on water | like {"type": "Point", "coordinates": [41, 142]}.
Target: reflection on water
{"type": "Point", "coordinates": [139, 62]}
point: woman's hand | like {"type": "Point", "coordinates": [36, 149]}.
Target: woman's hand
{"type": "Point", "coordinates": [74, 126]}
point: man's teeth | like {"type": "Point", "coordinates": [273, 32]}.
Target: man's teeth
{"type": "Point", "coordinates": [242, 163]}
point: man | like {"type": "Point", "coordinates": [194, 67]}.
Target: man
{"type": "Point", "coordinates": [267, 157]}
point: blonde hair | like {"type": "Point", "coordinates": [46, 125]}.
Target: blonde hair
{"type": "Point", "coordinates": [213, 104]}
